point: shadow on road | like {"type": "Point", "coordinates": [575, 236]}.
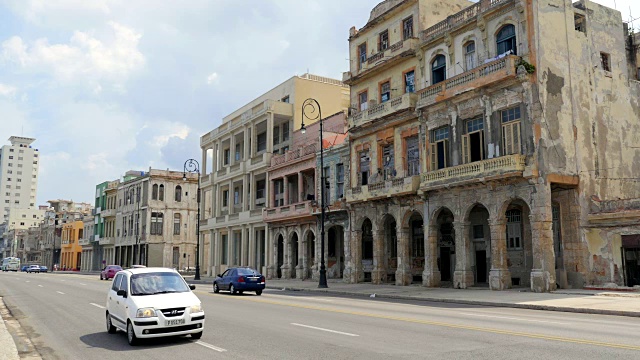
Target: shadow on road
{"type": "Point", "coordinates": [118, 341]}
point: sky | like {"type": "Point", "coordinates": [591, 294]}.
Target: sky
{"type": "Point", "coordinates": [107, 86]}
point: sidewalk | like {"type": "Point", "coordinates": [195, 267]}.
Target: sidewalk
{"type": "Point", "coordinates": [565, 300]}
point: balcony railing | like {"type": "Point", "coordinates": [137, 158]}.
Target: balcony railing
{"type": "Point", "coordinates": [288, 211]}
{"type": "Point", "coordinates": [405, 102]}
{"type": "Point", "coordinates": [107, 241]}
{"type": "Point", "coordinates": [294, 155]}
{"type": "Point", "coordinates": [387, 188]}
{"type": "Point", "coordinates": [108, 213]}
{"type": "Point", "coordinates": [478, 169]}
{"type": "Point", "coordinates": [483, 75]}
{"type": "Point", "coordinates": [82, 242]}
{"type": "Point", "coordinates": [387, 56]}
{"type": "Point", "coordinates": [205, 179]}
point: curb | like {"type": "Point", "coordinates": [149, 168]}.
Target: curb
{"type": "Point", "coordinates": [18, 345]}
{"type": "Point", "coordinates": [471, 302]}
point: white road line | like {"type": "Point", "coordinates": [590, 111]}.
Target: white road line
{"type": "Point", "coordinates": [61, 280]}
{"type": "Point", "coordinates": [96, 305]}
{"type": "Point", "coordinates": [512, 318]}
{"type": "Point", "coordinates": [60, 292]}
{"type": "Point", "coordinates": [209, 346]}
{"type": "Point", "coordinates": [40, 286]}
{"type": "Point", "coordinates": [82, 284]}
{"type": "Point", "coordinates": [327, 330]}
{"type": "Point", "coordinates": [28, 281]}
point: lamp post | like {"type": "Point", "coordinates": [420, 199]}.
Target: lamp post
{"type": "Point", "coordinates": [311, 110]}
{"type": "Point", "coordinates": [129, 192]}
{"type": "Point", "coordinates": [193, 166]}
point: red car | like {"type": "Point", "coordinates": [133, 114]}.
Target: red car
{"type": "Point", "coordinates": [109, 272]}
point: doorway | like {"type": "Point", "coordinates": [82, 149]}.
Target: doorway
{"type": "Point", "coordinates": [294, 254]}
{"type": "Point", "coordinates": [280, 256]}
{"type": "Point", "coordinates": [446, 245]}
{"type": "Point", "coordinates": [481, 266]}
{"type": "Point", "coordinates": [445, 263]}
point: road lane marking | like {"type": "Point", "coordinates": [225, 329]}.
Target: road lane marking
{"type": "Point", "coordinates": [442, 324]}
{"type": "Point", "coordinates": [327, 330]}
{"type": "Point", "coordinates": [28, 281]}
{"type": "Point", "coordinates": [82, 284]}
{"type": "Point", "coordinates": [96, 305]}
{"type": "Point", "coordinates": [209, 346]}
{"type": "Point", "coordinates": [60, 292]}
{"type": "Point", "coordinates": [40, 286]}
{"type": "Point", "coordinates": [513, 318]}
{"type": "Point", "coordinates": [61, 280]}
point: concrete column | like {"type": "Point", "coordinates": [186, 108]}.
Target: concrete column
{"type": "Point", "coordinates": [271, 198]}
{"type": "Point", "coordinates": [244, 256]}
{"type": "Point", "coordinates": [403, 272]}
{"type": "Point", "coordinates": [270, 256]}
{"type": "Point", "coordinates": [499, 275]}
{"type": "Point", "coordinates": [286, 266]}
{"type": "Point", "coordinates": [348, 258]}
{"type": "Point", "coordinates": [301, 197]}
{"type": "Point", "coordinates": [251, 201]}
{"type": "Point", "coordinates": [254, 141]}
{"type": "Point", "coordinates": [231, 195]}
{"type": "Point", "coordinates": [431, 274]}
{"type": "Point", "coordinates": [203, 171]}
{"type": "Point", "coordinates": [463, 274]}
{"type": "Point", "coordinates": [252, 248]}
{"type": "Point", "coordinates": [300, 268]}
{"type": "Point", "coordinates": [543, 276]}
{"type": "Point", "coordinates": [286, 190]}
{"type": "Point", "coordinates": [232, 149]}
{"type": "Point", "coordinates": [244, 193]}
{"type": "Point", "coordinates": [270, 133]}
{"type": "Point", "coordinates": [245, 146]}
{"type": "Point", "coordinates": [213, 254]}
{"type": "Point", "coordinates": [379, 273]}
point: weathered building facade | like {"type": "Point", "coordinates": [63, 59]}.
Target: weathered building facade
{"type": "Point", "coordinates": [524, 112]}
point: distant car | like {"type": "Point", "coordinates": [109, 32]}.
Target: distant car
{"type": "Point", "coordinates": [44, 268]}
{"type": "Point", "coordinates": [239, 280]}
{"type": "Point", "coordinates": [137, 266]}
{"type": "Point", "coordinates": [24, 268]}
{"type": "Point", "coordinates": [109, 272]}
{"type": "Point", "coordinates": [33, 268]}
{"type": "Point", "coordinates": [153, 302]}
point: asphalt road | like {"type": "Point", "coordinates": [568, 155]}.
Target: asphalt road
{"type": "Point", "coordinates": [64, 316]}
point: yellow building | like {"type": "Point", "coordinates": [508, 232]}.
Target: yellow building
{"type": "Point", "coordinates": [71, 249]}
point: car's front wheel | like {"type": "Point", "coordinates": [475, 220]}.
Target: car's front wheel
{"type": "Point", "coordinates": [100, 277]}
{"type": "Point", "coordinates": [232, 289]}
{"type": "Point", "coordinates": [196, 335]}
{"type": "Point", "coordinates": [131, 335]}
{"type": "Point", "coordinates": [110, 328]}
{"type": "Point", "coordinates": [216, 289]}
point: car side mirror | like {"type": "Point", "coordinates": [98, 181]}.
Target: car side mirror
{"type": "Point", "coordinates": [122, 293]}
{"type": "Point", "coordinates": [192, 287]}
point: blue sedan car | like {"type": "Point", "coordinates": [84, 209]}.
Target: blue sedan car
{"type": "Point", "coordinates": [239, 280]}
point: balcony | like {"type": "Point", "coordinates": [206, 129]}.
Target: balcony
{"type": "Point", "coordinates": [83, 242]}
{"type": "Point", "coordinates": [107, 213]}
{"type": "Point", "coordinates": [500, 167]}
{"type": "Point", "coordinates": [383, 59]}
{"type": "Point", "coordinates": [484, 75]}
{"type": "Point", "coordinates": [293, 156]}
{"type": "Point", "coordinates": [107, 241]}
{"type": "Point", "coordinates": [383, 189]}
{"type": "Point", "coordinates": [261, 159]}
{"type": "Point", "coordinates": [405, 102]}
{"type": "Point", "coordinates": [205, 180]}
{"type": "Point", "coordinates": [288, 212]}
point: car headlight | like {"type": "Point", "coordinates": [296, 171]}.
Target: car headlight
{"type": "Point", "coordinates": [146, 312]}
{"type": "Point", "coordinates": [196, 308]}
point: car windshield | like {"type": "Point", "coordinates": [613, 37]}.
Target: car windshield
{"type": "Point", "coordinates": [157, 283]}
{"type": "Point", "coordinates": [247, 272]}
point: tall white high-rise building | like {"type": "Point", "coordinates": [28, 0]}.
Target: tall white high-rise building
{"type": "Point", "coordinates": [18, 175]}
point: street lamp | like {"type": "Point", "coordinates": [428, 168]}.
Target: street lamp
{"type": "Point", "coordinates": [129, 192]}
{"type": "Point", "coordinates": [311, 110]}
{"type": "Point", "coordinates": [193, 166]}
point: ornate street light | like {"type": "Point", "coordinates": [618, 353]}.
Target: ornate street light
{"type": "Point", "coordinates": [128, 196]}
{"type": "Point", "coordinates": [193, 166]}
{"type": "Point", "coordinates": [311, 110]}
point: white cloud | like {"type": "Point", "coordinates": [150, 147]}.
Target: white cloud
{"type": "Point", "coordinates": [212, 78]}
{"type": "Point", "coordinates": [167, 131]}
{"type": "Point", "coordinates": [7, 90]}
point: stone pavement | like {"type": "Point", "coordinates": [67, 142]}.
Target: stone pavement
{"type": "Point", "coordinates": [578, 301]}
{"type": "Point", "coordinates": [8, 349]}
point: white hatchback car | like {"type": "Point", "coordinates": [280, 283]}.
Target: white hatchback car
{"type": "Point", "coordinates": [153, 302]}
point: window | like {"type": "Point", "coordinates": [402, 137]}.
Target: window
{"type": "Point", "coordinates": [20, 158]}
{"type": "Point", "coordinates": [605, 61]}
{"type": "Point", "coordinates": [9, 172]}
{"type": "Point", "coordinates": [154, 192]}
{"type": "Point", "coordinates": [383, 42]}
{"type": "Point", "coordinates": [511, 141]}
{"type": "Point", "coordinates": [225, 198]}
{"type": "Point", "coordinates": [514, 229]}
{"type": "Point", "coordinates": [276, 135]}
{"type": "Point", "coordinates": [440, 148]}
{"type": "Point", "coordinates": [284, 149]}
{"type": "Point", "coordinates": [225, 250]}
{"type": "Point", "coordinates": [238, 154]}
{"type": "Point", "coordinates": [339, 181]}
{"type": "Point", "coordinates": [262, 141]}
{"type": "Point", "coordinates": [388, 163]}
{"type": "Point", "coordinates": [363, 100]}
{"type": "Point", "coordinates": [362, 55]}
{"type": "Point", "coordinates": [285, 99]}
{"type": "Point", "coordinates": [327, 185]}
{"type": "Point", "coordinates": [260, 188]}
{"type": "Point", "coordinates": [410, 81]}
{"type": "Point", "coordinates": [413, 156]}
{"type": "Point", "coordinates": [161, 193]}
{"type": "Point", "coordinates": [580, 23]}
{"type": "Point", "coordinates": [364, 167]}
{"type": "Point", "coordinates": [407, 28]}
{"type": "Point", "coordinates": [478, 232]}
{"type": "Point", "coordinates": [156, 223]}
{"type": "Point", "coordinates": [470, 55]}
{"type": "Point", "coordinates": [438, 69]}
{"type": "Point", "coordinates": [385, 92]}
{"type": "Point", "coordinates": [285, 131]}
{"type": "Point", "coordinates": [227, 157]}
{"type": "Point", "coordinates": [178, 194]}
{"type": "Point", "coordinates": [10, 157]}
{"type": "Point", "coordinates": [237, 199]}
{"type": "Point", "coordinates": [473, 141]}
{"type": "Point", "coordinates": [176, 224]}
{"type": "Point", "coordinates": [506, 40]}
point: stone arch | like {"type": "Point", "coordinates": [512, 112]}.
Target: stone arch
{"type": "Point", "coordinates": [504, 206]}
{"type": "Point", "coordinates": [470, 208]}
{"type": "Point", "coordinates": [433, 219]}
{"type": "Point", "coordinates": [406, 218]}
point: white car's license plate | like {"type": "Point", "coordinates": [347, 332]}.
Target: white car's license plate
{"type": "Point", "coordinates": [174, 322]}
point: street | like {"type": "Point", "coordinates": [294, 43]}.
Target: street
{"type": "Point", "coordinates": [64, 316]}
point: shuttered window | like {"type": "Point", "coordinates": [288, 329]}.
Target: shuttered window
{"type": "Point", "coordinates": [511, 140]}
{"type": "Point", "coordinates": [413, 156]}
{"type": "Point", "coordinates": [439, 152]}
{"type": "Point", "coordinates": [388, 161]}
{"type": "Point", "coordinates": [473, 141]}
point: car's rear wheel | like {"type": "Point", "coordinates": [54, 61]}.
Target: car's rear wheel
{"type": "Point", "coordinates": [131, 335]}
{"type": "Point", "coordinates": [110, 328]}
{"type": "Point", "coordinates": [258, 292]}
{"type": "Point", "coordinates": [232, 289]}
{"type": "Point", "coordinates": [196, 335]}
{"type": "Point", "coordinates": [216, 289]}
